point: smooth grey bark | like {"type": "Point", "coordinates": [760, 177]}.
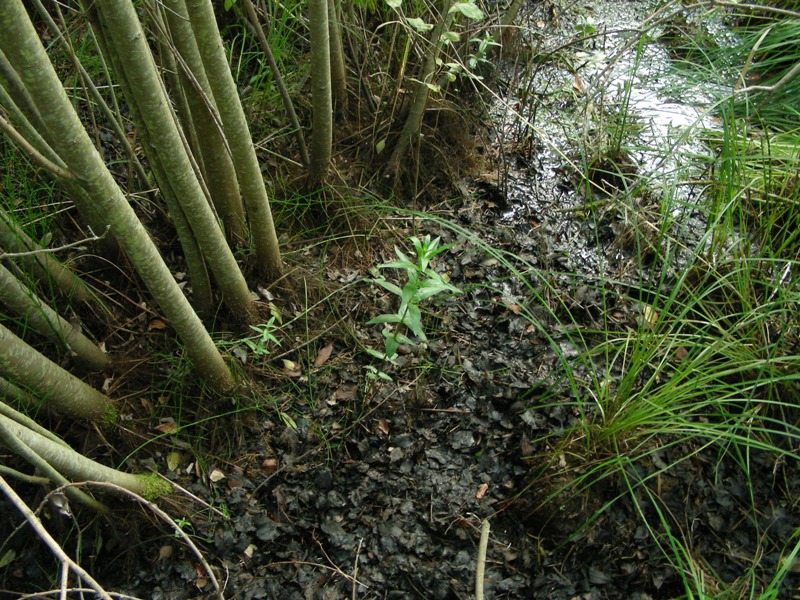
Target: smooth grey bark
{"type": "Point", "coordinates": [42, 264]}
{"type": "Point", "coordinates": [46, 322]}
{"type": "Point", "coordinates": [62, 391]}
{"type": "Point", "coordinates": [111, 118]}
{"type": "Point", "coordinates": [413, 123]}
{"type": "Point", "coordinates": [124, 30]}
{"type": "Point", "coordinates": [21, 398]}
{"type": "Point", "coordinates": [338, 71]}
{"type": "Point", "coordinates": [77, 467]}
{"type": "Point", "coordinates": [25, 116]}
{"type": "Point", "coordinates": [22, 419]}
{"type": "Point", "coordinates": [202, 294]}
{"type": "Point", "coordinates": [321, 99]}
{"type": "Point", "coordinates": [71, 142]}
{"type": "Point", "coordinates": [237, 133]}
{"type": "Point", "coordinates": [9, 426]}
{"type": "Point", "coordinates": [218, 165]}
{"type": "Point", "coordinates": [288, 105]}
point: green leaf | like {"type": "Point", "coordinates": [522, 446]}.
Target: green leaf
{"type": "Point", "coordinates": [389, 286]}
{"type": "Point", "coordinates": [399, 264]}
{"type": "Point", "coordinates": [468, 9]}
{"type": "Point", "coordinates": [433, 87]}
{"type": "Point", "coordinates": [394, 3]}
{"type": "Point", "coordinates": [229, 4]}
{"type": "Point", "coordinates": [7, 558]}
{"type": "Point", "coordinates": [380, 146]}
{"type": "Point", "coordinates": [391, 347]}
{"type": "Point", "coordinates": [449, 37]}
{"type": "Point", "coordinates": [287, 420]}
{"type": "Point", "coordinates": [385, 319]}
{"type": "Point", "coordinates": [419, 24]}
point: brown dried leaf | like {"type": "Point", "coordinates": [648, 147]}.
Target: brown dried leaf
{"type": "Point", "coordinates": [345, 391]}
{"type": "Point", "coordinates": [484, 487]}
{"type": "Point", "coordinates": [157, 324]}
{"type": "Point", "coordinates": [168, 427]}
{"type": "Point", "coordinates": [323, 355]}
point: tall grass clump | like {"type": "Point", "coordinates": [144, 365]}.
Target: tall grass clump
{"type": "Point", "coordinates": [706, 378]}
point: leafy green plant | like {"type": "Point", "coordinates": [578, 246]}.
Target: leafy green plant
{"type": "Point", "coordinates": [423, 283]}
{"type": "Point", "coordinates": [259, 345]}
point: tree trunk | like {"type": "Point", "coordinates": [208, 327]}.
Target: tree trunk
{"type": "Point", "coordinates": [338, 70]}
{"type": "Point", "coordinates": [46, 322]}
{"type": "Point", "coordinates": [216, 157]}
{"type": "Point", "coordinates": [70, 141]}
{"type": "Point", "coordinates": [125, 32]}
{"type": "Point", "coordinates": [322, 108]}
{"type": "Point", "coordinates": [79, 468]}
{"type": "Point", "coordinates": [248, 171]}
{"type": "Point", "coordinates": [60, 390]}
{"type": "Point", "coordinates": [413, 123]}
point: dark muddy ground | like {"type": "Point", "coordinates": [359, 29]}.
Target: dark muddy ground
{"type": "Point", "coordinates": [378, 489]}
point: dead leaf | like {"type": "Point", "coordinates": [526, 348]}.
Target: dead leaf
{"type": "Point", "coordinates": [147, 405]}
{"type": "Point", "coordinates": [680, 354]}
{"type": "Point", "coordinates": [216, 475]}
{"type": "Point", "coordinates": [323, 355]}
{"type": "Point", "coordinates": [577, 84]}
{"type": "Point", "coordinates": [165, 552]}
{"type": "Point", "coordinates": [650, 315]}
{"type": "Point", "coordinates": [168, 427]}
{"type": "Point", "coordinates": [291, 368]}
{"type": "Point", "coordinates": [345, 391]}
{"type": "Point", "coordinates": [157, 324]}
{"type": "Point", "coordinates": [383, 426]}
{"type": "Point", "coordinates": [270, 465]}
{"type": "Point", "coordinates": [484, 487]}
{"type": "Point", "coordinates": [514, 308]}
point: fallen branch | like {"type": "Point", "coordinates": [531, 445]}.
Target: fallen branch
{"type": "Point", "coordinates": [481, 567]}
{"type": "Point", "coordinates": [52, 544]}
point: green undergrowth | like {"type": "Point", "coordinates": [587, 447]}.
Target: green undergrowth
{"type": "Point", "coordinates": [708, 371]}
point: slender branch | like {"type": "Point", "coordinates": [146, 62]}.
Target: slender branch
{"type": "Point", "coordinates": [35, 155]}
{"type": "Point", "coordinates": [77, 590]}
{"type": "Point", "coordinates": [481, 567]}
{"type": "Point", "coordinates": [92, 238]}
{"type": "Point", "coordinates": [52, 544]}
{"type": "Point", "coordinates": [773, 87]}
{"type": "Point", "coordinates": [276, 75]}
{"type": "Point", "coordinates": [30, 455]}
{"type": "Point", "coordinates": [24, 476]}
{"type": "Point", "coordinates": [164, 516]}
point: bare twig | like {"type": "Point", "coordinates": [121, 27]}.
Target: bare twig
{"type": "Point", "coordinates": [355, 569]}
{"type": "Point", "coordinates": [481, 567]}
{"type": "Point", "coordinates": [276, 76]}
{"type": "Point", "coordinates": [36, 156]}
{"type": "Point", "coordinates": [92, 238]}
{"type": "Point", "coordinates": [166, 518]}
{"type": "Point", "coordinates": [52, 544]}
{"type": "Point", "coordinates": [774, 86]}
{"type": "Point", "coordinates": [78, 590]}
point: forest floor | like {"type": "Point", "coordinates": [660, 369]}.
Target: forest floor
{"type": "Point", "coordinates": [321, 482]}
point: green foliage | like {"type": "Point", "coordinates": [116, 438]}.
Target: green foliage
{"type": "Point", "coordinates": [259, 345]}
{"type": "Point", "coordinates": [422, 283]}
